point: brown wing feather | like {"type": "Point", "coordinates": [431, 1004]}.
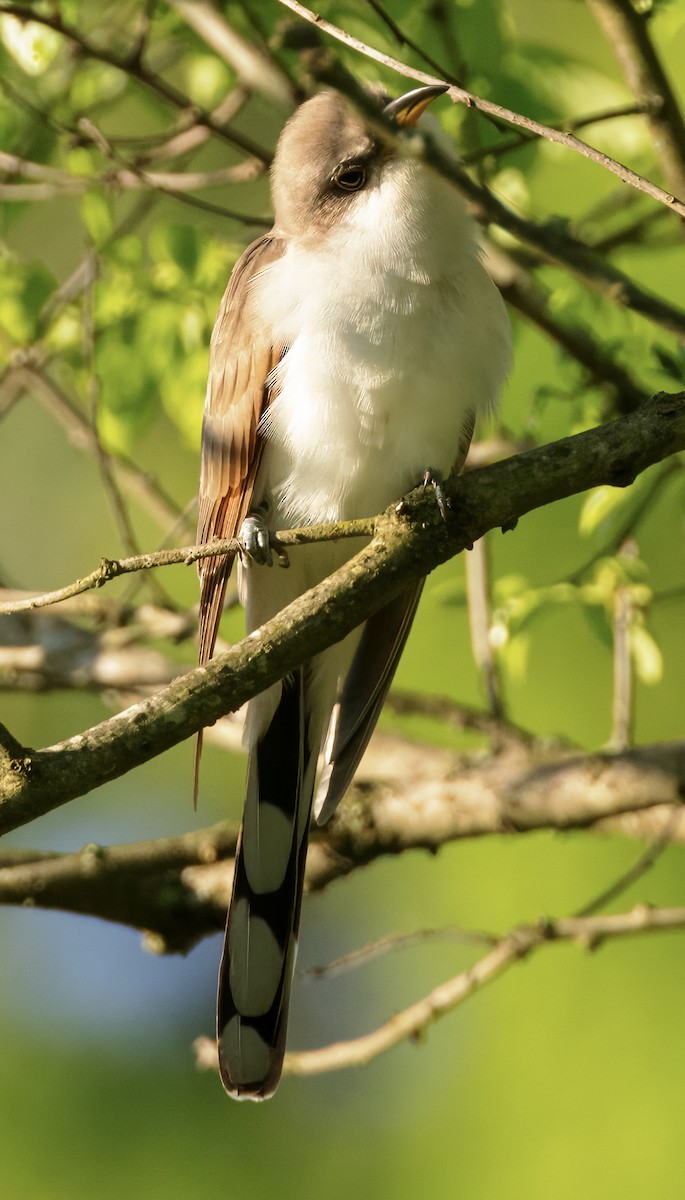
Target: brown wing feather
{"type": "Point", "coordinates": [242, 355]}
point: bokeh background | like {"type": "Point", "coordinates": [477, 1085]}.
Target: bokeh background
{"type": "Point", "coordinates": [565, 1077]}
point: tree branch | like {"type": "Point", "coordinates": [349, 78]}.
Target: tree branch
{"type": "Point", "coordinates": [410, 540]}
{"type": "Point", "coordinates": [409, 797]}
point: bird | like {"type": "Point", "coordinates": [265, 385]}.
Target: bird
{"type": "Point", "coordinates": [354, 347]}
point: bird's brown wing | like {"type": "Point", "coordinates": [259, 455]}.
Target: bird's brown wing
{"type": "Point", "coordinates": [242, 355]}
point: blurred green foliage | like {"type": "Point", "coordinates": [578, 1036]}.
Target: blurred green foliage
{"type": "Point", "coordinates": [566, 1077]}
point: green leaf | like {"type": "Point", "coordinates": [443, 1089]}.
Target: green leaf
{"type": "Point", "coordinates": [599, 621]}
{"type": "Point", "coordinates": [515, 653]}
{"type": "Point", "coordinates": [23, 292]}
{"type": "Point", "coordinates": [81, 161]}
{"type": "Point", "coordinates": [207, 78]}
{"type": "Point", "coordinates": [183, 247]}
{"type": "Point", "coordinates": [183, 395]}
{"type": "Point", "coordinates": [32, 46]}
{"type": "Point", "coordinates": [97, 217]}
{"type": "Point", "coordinates": [95, 84]}
{"type": "Point", "coordinates": [600, 503]}
{"type": "Point", "coordinates": [176, 250]}
{"type": "Point", "coordinates": [672, 363]}
{"type": "Point", "coordinates": [646, 655]}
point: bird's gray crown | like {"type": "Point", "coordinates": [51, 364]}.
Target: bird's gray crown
{"type": "Point", "coordinates": [325, 155]}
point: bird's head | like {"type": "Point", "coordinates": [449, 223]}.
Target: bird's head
{"type": "Point", "coordinates": [328, 157]}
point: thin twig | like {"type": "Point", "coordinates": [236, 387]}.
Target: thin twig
{"type": "Point", "coordinates": [56, 182]}
{"type": "Point", "coordinates": [404, 40]}
{"type": "Point", "coordinates": [639, 868]}
{"type": "Point", "coordinates": [568, 125]}
{"type": "Point", "coordinates": [112, 568]}
{"type": "Point", "coordinates": [478, 596]}
{"type": "Point", "coordinates": [461, 96]}
{"type": "Point", "coordinates": [130, 173]}
{"type": "Point", "coordinates": [398, 941]}
{"type": "Point", "coordinates": [623, 698]}
{"type": "Point", "coordinates": [455, 715]}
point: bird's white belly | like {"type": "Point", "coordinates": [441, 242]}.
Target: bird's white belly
{"type": "Point", "coordinates": [356, 424]}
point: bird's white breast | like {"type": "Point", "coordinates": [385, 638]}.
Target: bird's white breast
{"type": "Point", "coordinates": [394, 332]}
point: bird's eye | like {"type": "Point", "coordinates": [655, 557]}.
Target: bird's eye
{"type": "Point", "coordinates": [350, 178]}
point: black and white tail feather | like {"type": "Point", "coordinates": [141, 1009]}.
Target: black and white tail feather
{"type": "Point", "coordinates": [263, 920]}
{"type": "Point", "coordinates": [262, 927]}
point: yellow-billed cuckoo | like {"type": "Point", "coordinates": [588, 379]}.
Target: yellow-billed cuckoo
{"type": "Point", "coordinates": [354, 346]}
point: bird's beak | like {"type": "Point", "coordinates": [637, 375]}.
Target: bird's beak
{"type": "Point", "coordinates": [407, 109]}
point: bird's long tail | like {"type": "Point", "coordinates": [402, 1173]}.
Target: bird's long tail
{"type": "Point", "coordinates": [261, 930]}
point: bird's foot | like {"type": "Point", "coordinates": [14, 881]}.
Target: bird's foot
{"type": "Point", "coordinates": [436, 481]}
{"type": "Point", "coordinates": [258, 545]}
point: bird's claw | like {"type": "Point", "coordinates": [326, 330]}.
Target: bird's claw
{"type": "Point", "coordinates": [258, 545]}
{"type": "Point", "coordinates": [435, 479]}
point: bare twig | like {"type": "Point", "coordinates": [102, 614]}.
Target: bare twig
{"type": "Point", "coordinates": [516, 945]}
{"type": "Point", "coordinates": [187, 135]}
{"type": "Point", "coordinates": [644, 863]}
{"type": "Point", "coordinates": [131, 173]}
{"type": "Point", "coordinates": [112, 568]}
{"type": "Point", "coordinates": [404, 40]}
{"type": "Point", "coordinates": [569, 125]}
{"type": "Point", "coordinates": [149, 885]}
{"type": "Point", "coordinates": [456, 716]}
{"type": "Point", "coordinates": [56, 182]}
{"type": "Point", "coordinates": [398, 941]}
{"type": "Point", "coordinates": [478, 594]}
{"type": "Point", "coordinates": [622, 707]}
